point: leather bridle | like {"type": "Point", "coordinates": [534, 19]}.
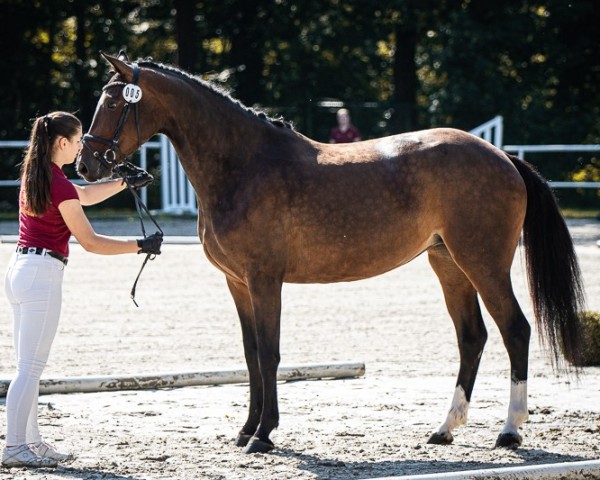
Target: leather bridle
{"type": "Point", "coordinates": [109, 158]}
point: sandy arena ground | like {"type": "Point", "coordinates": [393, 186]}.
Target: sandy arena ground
{"type": "Point", "coordinates": [372, 426]}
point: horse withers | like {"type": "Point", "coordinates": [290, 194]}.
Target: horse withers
{"type": "Point", "coordinates": [275, 206]}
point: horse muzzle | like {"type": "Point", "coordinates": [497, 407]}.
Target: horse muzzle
{"type": "Point", "coordinates": [90, 168]}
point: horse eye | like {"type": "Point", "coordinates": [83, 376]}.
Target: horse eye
{"type": "Point", "coordinates": [112, 105]}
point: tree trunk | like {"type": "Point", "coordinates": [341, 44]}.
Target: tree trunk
{"type": "Point", "coordinates": [246, 54]}
{"type": "Point", "coordinates": [86, 93]}
{"type": "Point", "coordinates": [186, 34]}
{"type": "Point", "coordinates": [405, 79]}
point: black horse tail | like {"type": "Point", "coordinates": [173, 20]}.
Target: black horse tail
{"type": "Point", "coordinates": [553, 272]}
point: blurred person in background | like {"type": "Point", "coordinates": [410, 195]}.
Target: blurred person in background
{"type": "Point", "coordinates": [345, 132]}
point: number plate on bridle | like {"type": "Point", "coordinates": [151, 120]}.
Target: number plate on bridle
{"type": "Point", "coordinates": [132, 93]}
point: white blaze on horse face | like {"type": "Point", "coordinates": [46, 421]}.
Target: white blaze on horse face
{"type": "Point", "coordinates": [457, 415]}
{"type": "Point", "coordinates": [389, 147]}
{"type": "Point", "coordinates": [517, 408]}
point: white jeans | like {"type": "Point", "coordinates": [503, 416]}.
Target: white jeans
{"type": "Point", "coordinates": [33, 285]}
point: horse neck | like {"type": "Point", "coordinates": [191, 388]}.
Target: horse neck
{"type": "Point", "coordinates": [211, 135]}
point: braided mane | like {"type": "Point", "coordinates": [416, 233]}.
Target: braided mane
{"type": "Point", "coordinates": [216, 89]}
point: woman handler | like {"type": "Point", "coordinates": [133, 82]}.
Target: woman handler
{"type": "Point", "coordinates": [50, 211]}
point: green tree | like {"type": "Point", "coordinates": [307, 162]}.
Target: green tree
{"type": "Point", "coordinates": [401, 64]}
{"type": "Point", "coordinates": [534, 64]}
{"type": "Point", "coordinates": [29, 37]}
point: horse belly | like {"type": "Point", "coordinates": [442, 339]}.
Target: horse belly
{"type": "Point", "coordinates": [357, 225]}
{"type": "Point", "coordinates": [352, 254]}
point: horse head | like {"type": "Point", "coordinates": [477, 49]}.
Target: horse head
{"type": "Point", "coordinates": [123, 121]}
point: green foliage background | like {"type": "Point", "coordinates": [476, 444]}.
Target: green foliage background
{"type": "Point", "coordinates": [397, 64]}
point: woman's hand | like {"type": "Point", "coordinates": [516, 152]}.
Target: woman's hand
{"type": "Point", "coordinates": [151, 244]}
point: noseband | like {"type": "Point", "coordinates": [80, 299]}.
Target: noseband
{"type": "Point", "coordinates": [110, 155]}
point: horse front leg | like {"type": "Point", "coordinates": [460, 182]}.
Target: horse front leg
{"type": "Point", "coordinates": [265, 292]}
{"type": "Point", "coordinates": [243, 304]}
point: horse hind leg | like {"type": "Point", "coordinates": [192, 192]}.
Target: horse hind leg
{"type": "Point", "coordinates": [463, 307]}
{"type": "Point", "coordinates": [489, 271]}
{"type": "Point", "coordinates": [516, 333]}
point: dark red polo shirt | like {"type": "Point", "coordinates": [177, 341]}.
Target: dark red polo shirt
{"type": "Point", "coordinates": [48, 230]}
{"type": "Point", "coordinates": [350, 135]}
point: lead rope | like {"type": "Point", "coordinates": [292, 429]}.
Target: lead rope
{"type": "Point", "coordinates": [139, 206]}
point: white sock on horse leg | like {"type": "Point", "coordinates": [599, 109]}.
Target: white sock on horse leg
{"type": "Point", "coordinates": [457, 415]}
{"type": "Point", "coordinates": [517, 408]}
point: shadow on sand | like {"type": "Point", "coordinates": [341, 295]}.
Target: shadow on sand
{"type": "Point", "coordinates": [331, 469]}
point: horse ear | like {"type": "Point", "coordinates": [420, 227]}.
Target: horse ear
{"type": "Point", "coordinates": [119, 65]}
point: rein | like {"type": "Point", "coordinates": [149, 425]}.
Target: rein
{"type": "Point", "coordinates": [139, 206]}
{"type": "Point", "coordinates": [109, 158]}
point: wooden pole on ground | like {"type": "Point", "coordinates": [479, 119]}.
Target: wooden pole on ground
{"type": "Point", "coordinates": [186, 379]}
{"type": "Point", "coordinates": [588, 469]}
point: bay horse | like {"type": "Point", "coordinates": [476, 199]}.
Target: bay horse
{"type": "Point", "coordinates": [275, 206]}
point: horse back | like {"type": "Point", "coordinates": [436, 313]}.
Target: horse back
{"type": "Point", "coordinates": [326, 213]}
{"type": "Point", "coordinates": [426, 178]}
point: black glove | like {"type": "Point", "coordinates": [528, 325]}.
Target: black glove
{"type": "Point", "coordinates": [139, 180]}
{"type": "Point", "coordinates": [151, 244]}
{"type": "Point", "coordinates": [134, 176]}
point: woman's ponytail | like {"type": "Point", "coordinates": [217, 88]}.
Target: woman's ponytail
{"type": "Point", "coordinates": [36, 168]}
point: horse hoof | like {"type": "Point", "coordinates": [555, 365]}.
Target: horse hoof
{"type": "Point", "coordinates": [440, 438]}
{"type": "Point", "coordinates": [511, 441]}
{"type": "Point", "coordinates": [256, 445]}
{"type": "Point", "coordinates": [242, 439]}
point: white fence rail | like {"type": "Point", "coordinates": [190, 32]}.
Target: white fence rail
{"type": "Point", "coordinates": [522, 150]}
{"type": "Point", "coordinates": [177, 194]}
{"type": "Point", "coordinates": [22, 144]}
{"type": "Point", "coordinates": [12, 144]}
{"type": "Point", "coordinates": [491, 131]}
